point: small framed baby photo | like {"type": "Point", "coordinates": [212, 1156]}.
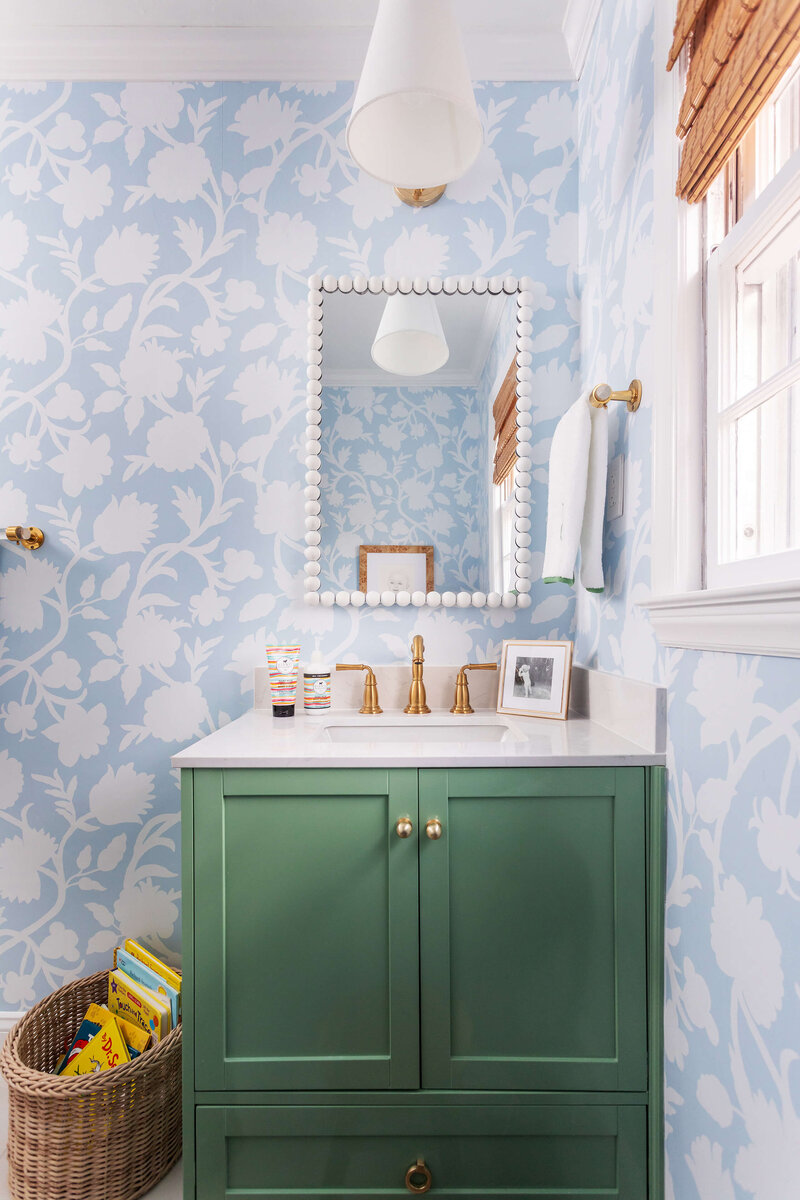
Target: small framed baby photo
{"type": "Point", "coordinates": [395, 568]}
{"type": "Point", "coordinates": [534, 679]}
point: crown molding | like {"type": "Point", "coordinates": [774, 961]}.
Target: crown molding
{"type": "Point", "coordinates": [323, 54]}
{"type": "Point", "coordinates": [579, 22]}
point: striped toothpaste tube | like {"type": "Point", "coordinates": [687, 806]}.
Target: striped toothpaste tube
{"type": "Point", "coordinates": [282, 662]}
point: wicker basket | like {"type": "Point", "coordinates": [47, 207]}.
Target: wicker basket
{"type": "Point", "coordinates": [107, 1136]}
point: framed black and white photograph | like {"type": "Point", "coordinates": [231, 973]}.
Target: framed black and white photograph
{"type": "Point", "coordinates": [534, 679]}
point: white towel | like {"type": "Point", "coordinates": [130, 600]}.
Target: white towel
{"type": "Point", "coordinates": [576, 496]}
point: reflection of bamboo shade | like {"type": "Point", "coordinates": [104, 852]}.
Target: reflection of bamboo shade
{"type": "Point", "coordinates": [504, 411]}
{"type": "Point", "coordinates": [740, 49]}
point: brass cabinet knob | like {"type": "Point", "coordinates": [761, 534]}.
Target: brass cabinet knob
{"type": "Point", "coordinates": [418, 1177]}
{"type": "Point", "coordinates": [433, 828]}
{"type": "Point", "coordinates": [404, 828]}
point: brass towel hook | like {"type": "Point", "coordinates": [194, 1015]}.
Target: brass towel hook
{"type": "Point", "coordinates": [602, 394]}
{"type": "Point", "coordinates": [29, 537]}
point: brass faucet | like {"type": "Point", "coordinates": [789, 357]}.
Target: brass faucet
{"type": "Point", "coordinates": [461, 704]}
{"type": "Point", "coordinates": [369, 702]}
{"type": "Point", "coordinates": [416, 695]}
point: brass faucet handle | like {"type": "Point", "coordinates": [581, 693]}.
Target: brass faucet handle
{"type": "Point", "coordinates": [369, 703]}
{"type": "Point", "coordinates": [461, 704]}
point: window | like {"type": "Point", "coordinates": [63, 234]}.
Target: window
{"type": "Point", "coordinates": [702, 596]}
{"type": "Point", "coordinates": [753, 353]}
{"type": "Point", "coordinates": [503, 545]}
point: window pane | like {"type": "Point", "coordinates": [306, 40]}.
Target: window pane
{"type": "Point", "coordinates": [761, 452]}
{"type": "Point", "coordinates": [770, 142]}
{"type": "Point", "coordinates": [768, 285]}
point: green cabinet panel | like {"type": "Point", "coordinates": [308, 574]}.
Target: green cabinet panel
{"type": "Point", "coordinates": [473, 1153]}
{"type": "Point", "coordinates": [305, 930]}
{"type": "Point", "coordinates": [533, 929]}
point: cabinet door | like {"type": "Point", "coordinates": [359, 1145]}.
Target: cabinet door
{"type": "Point", "coordinates": [473, 1152]}
{"type": "Point", "coordinates": [532, 929]}
{"type": "Point", "coordinates": [306, 930]}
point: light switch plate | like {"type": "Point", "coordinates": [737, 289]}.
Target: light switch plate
{"type": "Point", "coordinates": [616, 487]}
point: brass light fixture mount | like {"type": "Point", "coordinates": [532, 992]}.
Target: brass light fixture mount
{"type": "Point", "coordinates": [420, 197]}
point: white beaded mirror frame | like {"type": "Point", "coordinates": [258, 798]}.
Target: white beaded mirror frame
{"type": "Point", "coordinates": [377, 284]}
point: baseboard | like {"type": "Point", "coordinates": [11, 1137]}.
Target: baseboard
{"type": "Point", "coordinates": [8, 1020]}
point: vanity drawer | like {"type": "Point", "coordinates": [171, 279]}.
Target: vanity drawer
{"type": "Point", "coordinates": [552, 1152]}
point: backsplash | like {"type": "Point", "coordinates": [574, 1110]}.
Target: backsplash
{"type": "Point", "coordinates": [733, 957]}
{"type": "Point", "coordinates": [153, 271]}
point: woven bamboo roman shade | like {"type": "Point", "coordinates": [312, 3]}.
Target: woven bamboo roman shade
{"type": "Point", "coordinates": [740, 49]}
{"type": "Point", "coordinates": [504, 411]}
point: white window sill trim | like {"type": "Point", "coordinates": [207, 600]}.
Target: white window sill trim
{"type": "Point", "coordinates": [746, 620]}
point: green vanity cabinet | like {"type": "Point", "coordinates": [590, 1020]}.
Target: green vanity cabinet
{"type": "Point", "coordinates": [482, 993]}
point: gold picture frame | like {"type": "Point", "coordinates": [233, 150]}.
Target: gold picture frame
{"type": "Point", "coordinates": [535, 679]}
{"type": "Point", "coordinates": [404, 574]}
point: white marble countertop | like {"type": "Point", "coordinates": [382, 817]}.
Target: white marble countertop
{"type": "Point", "coordinates": [258, 739]}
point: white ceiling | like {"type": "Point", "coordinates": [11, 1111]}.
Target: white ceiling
{"type": "Point", "coordinates": [350, 322]}
{"type": "Point", "coordinates": [314, 40]}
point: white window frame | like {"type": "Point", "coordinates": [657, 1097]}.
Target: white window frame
{"type": "Point", "coordinates": [777, 204]}
{"type": "Point", "coordinates": [761, 618]}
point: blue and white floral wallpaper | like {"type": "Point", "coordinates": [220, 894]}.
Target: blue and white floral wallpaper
{"type": "Point", "coordinates": [154, 245]}
{"type": "Point", "coordinates": [733, 901]}
{"type": "Point", "coordinates": [155, 241]}
{"type": "Point", "coordinates": [406, 466]}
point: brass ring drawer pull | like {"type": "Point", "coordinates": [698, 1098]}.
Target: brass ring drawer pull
{"type": "Point", "coordinates": [433, 828]}
{"type": "Point", "coordinates": [404, 828]}
{"type": "Point", "coordinates": [418, 1177]}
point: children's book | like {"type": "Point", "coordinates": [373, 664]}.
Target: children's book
{"type": "Point", "coordinates": [105, 1050]}
{"type": "Point", "coordinates": [136, 1039]}
{"type": "Point", "coordinates": [96, 1017]}
{"type": "Point", "coordinates": [138, 1004]}
{"type": "Point", "coordinates": [155, 964]}
{"type": "Point", "coordinates": [150, 979]}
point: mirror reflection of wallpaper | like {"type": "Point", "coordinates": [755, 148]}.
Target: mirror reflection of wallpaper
{"type": "Point", "coordinates": [405, 466]}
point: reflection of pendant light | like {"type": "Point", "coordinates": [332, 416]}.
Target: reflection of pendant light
{"type": "Point", "coordinates": [410, 339]}
{"type": "Point", "coordinates": [415, 123]}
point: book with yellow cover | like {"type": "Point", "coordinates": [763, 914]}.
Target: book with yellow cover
{"type": "Point", "coordinates": [96, 1017]}
{"type": "Point", "coordinates": [150, 979]}
{"type": "Point", "coordinates": [155, 964]}
{"type": "Point", "coordinates": [138, 1004]}
{"type": "Point", "coordinates": [135, 1038]}
{"type": "Point", "coordinates": [105, 1050]}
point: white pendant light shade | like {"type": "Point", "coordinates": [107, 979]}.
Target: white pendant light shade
{"type": "Point", "coordinates": [415, 123]}
{"type": "Point", "coordinates": [410, 339]}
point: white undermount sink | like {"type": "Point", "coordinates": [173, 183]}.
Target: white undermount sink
{"type": "Point", "coordinates": [396, 728]}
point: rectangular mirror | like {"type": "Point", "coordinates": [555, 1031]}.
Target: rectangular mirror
{"type": "Point", "coordinates": [402, 459]}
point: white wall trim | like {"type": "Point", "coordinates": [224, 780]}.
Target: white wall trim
{"type": "Point", "coordinates": [752, 620]}
{"type": "Point", "coordinates": [678, 393]}
{"type": "Point", "coordinates": [8, 1020]}
{"type": "Point", "coordinates": [580, 19]}
{"type": "Point", "coordinates": [315, 53]}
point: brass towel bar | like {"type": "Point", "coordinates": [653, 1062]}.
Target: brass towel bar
{"type": "Point", "coordinates": [31, 538]}
{"type": "Point", "coordinates": [602, 394]}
